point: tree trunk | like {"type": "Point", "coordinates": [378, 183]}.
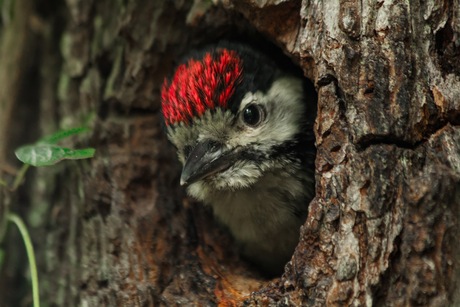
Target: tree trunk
{"type": "Point", "coordinates": [118, 230]}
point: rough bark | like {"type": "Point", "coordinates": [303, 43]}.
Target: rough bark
{"type": "Point", "coordinates": [118, 229]}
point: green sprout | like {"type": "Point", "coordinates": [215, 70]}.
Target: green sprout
{"type": "Point", "coordinates": [45, 152]}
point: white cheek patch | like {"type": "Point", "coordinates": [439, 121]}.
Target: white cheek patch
{"type": "Point", "coordinates": [285, 109]}
{"type": "Point", "coordinates": [199, 190]}
{"type": "Point", "coordinates": [241, 175]}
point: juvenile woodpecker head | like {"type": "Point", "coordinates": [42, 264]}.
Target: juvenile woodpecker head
{"type": "Point", "coordinates": [231, 113]}
{"type": "Point", "coordinates": [243, 135]}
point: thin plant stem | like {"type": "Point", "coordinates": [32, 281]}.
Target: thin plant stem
{"type": "Point", "coordinates": [15, 219]}
{"type": "Point", "coordinates": [20, 177]}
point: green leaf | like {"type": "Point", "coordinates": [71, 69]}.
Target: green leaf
{"type": "Point", "coordinates": [75, 154]}
{"type": "Point", "coordinates": [56, 137]}
{"type": "Point", "coordinates": [48, 154]}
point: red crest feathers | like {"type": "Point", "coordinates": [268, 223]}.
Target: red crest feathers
{"type": "Point", "coordinates": [200, 85]}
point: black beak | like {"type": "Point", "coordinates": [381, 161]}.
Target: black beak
{"type": "Point", "coordinates": [207, 158]}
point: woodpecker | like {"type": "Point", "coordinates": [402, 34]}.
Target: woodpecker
{"type": "Point", "coordinates": [242, 127]}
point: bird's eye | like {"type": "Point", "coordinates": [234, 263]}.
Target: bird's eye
{"type": "Point", "coordinates": [253, 115]}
